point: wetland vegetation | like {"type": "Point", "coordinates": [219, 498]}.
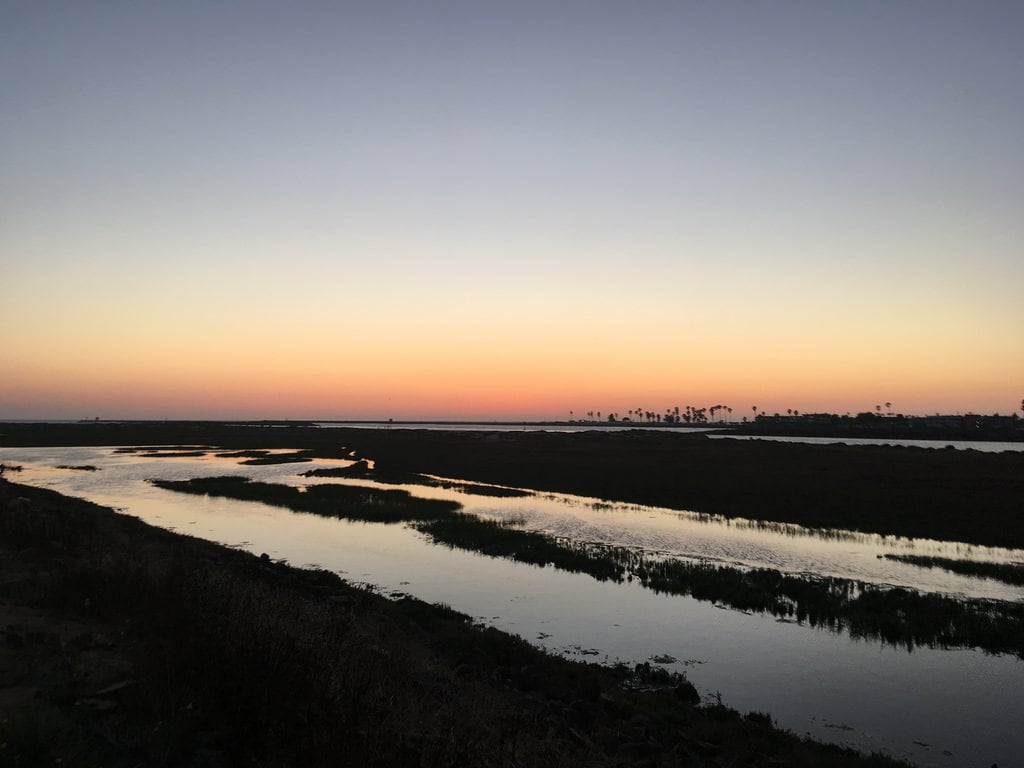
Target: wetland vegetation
{"type": "Point", "coordinates": [439, 519]}
{"type": "Point", "coordinates": [290, 458]}
{"type": "Point", "coordinates": [897, 616]}
{"type": "Point", "coordinates": [353, 502]}
{"type": "Point", "coordinates": [1008, 573]}
{"type": "Point", "coordinates": [965, 496]}
{"type": "Point", "coordinates": [361, 468]}
{"type": "Point", "coordinates": [127, 645]}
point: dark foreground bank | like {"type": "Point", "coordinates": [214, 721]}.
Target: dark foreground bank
{"type": "Point", "coordinates": [952, 495]}
{"type": "Point", "coordinates": [128, 645]}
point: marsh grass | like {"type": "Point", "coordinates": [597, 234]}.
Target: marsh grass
{"type": "Point", "coordinates": [896, 616]}
{"type": "Point", "coordinates": [900, 617]}
{"type": "Point", "coordinates": [500, 539]}
{"type": "Point", "coordinates": [359, 468]}
{"type": "Point", "coordinates": [173, 454]}
{"type": "Point", "coordinates": [148, 450]}
{"type": "Point", "coordinates": [351, 502]}
{"type": "Point", "coordinates": [362, 469]}
{"type": "Point", "coordinates": [1008, 573]}
{"type": "Point", "coordinates": [477, 489]}
{"type": "Point", "coordinates": [296, 457]}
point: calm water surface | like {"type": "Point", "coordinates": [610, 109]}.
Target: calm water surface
{"type": "Point", "coordinates": [936, 707]}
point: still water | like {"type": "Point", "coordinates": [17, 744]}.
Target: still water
{"type": "Point", "coordinates": [935, 707]}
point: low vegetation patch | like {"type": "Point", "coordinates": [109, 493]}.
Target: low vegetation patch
{"type": "Point", "coordinates": [351, 502]}
{"type": "Point", "coordinates": [896, 616]}
{"type": "Point", "coordinates": [495, 491]}
{"type": "Point", "coordinates": [1008, 573]}
{"type": "Point", "coordinates": [967, 496]}
{"type": "Point", "coordinates": [295, 457]}
{"type": "Point", "coordinates": [163, 450]}
{"type": "Point", "coordinates": [173, 454]}
{"type": "Point", "coordinates": [361, 468]}
{"type": "Point", "coordinates": [245, 454]}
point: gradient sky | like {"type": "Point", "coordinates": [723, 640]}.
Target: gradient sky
{"type": "Point", "coordinates": [509, 210]}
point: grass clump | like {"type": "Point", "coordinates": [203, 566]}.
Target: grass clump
{"type": "Point", "coordinates": [294, 457]}
{"type": "Point", "coordinates": [255, 453]}
{"type": "Point", "coordinates": [897, 616]}
{"type": "Point", "coordinates": [329, 500]}
{"type": "Point", "coordinates": [173, 454]}
{"type": "Point", "coordinates": [499, 539]}
{"type": "Point", "coordinates": [361, 468]}
{"type": "Point", "coordinates": [1008, 573]}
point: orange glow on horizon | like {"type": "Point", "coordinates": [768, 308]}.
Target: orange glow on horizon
{"type": "Point", "coordinates": [451, 365]}
{"type": "Point", "coordinates": [500, 394]}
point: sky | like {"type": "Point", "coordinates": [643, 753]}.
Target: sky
{"type": "Point", "coordinates": [509, 210]}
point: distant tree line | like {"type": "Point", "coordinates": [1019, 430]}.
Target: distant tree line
{"type": "Point", "coordinates": [691, 415]}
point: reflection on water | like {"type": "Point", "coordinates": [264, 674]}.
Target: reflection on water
{"type": "Point", "coordinates": [812, 681]}
{"type": "Point", "coordinates": [789, 548]}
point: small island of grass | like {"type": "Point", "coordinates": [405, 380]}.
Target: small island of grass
{"type": "Point", "coordinates": [1008, 573]}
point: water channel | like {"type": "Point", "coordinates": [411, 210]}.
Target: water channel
{"type": "Point", "coordinates": [935, 707]}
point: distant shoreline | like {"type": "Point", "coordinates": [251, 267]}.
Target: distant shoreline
{"type": "Point", "coordinates": [968, 427]}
